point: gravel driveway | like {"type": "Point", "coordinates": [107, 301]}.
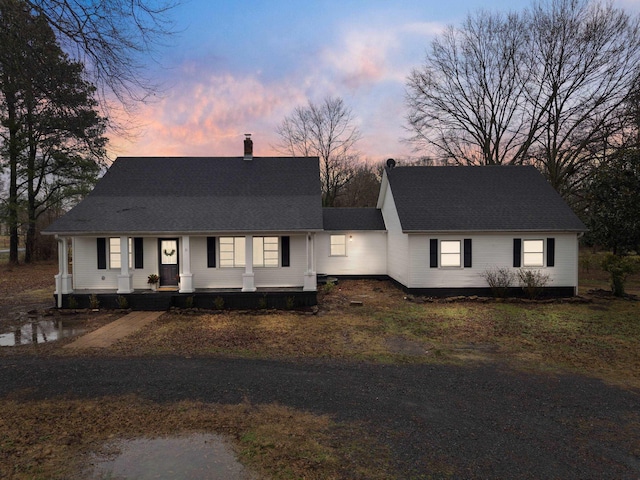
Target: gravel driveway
{"type": "Point", "coordinates": [480, 422]}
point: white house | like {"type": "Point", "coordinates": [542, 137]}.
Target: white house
{"type": "Point", "coordinates": [255, 226]}
{"type": "Point", "coordinates": [446, 226]}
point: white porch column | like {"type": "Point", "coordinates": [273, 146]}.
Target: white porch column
{"type": "Point", "coordinates": [125, 277]}
{"type": "Point", "coordinates": [64, 282]}
{"type": "Point", "coordinates": [248, 282]}
{"type": "Point", "coordinates": [310, 278]}
{"type": "Point", "coordinates": [186, 277]}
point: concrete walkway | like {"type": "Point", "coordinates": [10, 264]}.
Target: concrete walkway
{"type": "Point", "coordinates": [114, 331]}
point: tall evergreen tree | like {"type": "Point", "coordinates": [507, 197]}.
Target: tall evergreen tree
{"type": "Point", "coordinates": [53, 135]}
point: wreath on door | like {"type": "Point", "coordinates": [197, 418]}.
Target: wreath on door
{"type": "Point", "coordinates": [169, 253]}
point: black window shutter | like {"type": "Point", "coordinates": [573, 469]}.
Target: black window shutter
{"type": "Point", "coordinates": [138, 255]}
{"type": "Point", "coordinates": [102, 253]}
{"type": "Point", "coordinates": [551, 252]}
{"type": "Point", "coordinates": [517, 251]}
{"type": "Point", "coordinates": [433, 253]}
{"type": "Point", "coordinates": [211, 252]}
{"type": "Point", "coordinates": [467, 253]}
{"type": "Point", "coordinates": [286, 251]}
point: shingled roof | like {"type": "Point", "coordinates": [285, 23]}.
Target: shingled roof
{"type": "Point", "coordinates": [490, 198]}
{"type": "Point", "coordinates": [352, 219]}
{"type": "Point", "coordinates": [141, 195]}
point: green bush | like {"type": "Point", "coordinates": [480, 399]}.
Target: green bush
{"type": "Point", "coordinates": [218, 303]}
{"type": "Point", "coordinates": [188, 303]}
{"type": "Point", "coordinates": [122, 302]}
{"type": "Point", "coordinates": [73, 302]}
{"type": "Point", "coordinates": [94, 303]}
{"type": "Point", "coordinates": [619, 268]}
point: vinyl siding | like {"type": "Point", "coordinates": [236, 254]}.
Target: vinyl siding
{"type": "Point", "coordinates": [86, 274]}
{"type": "Point", "coordinates": [397, 242]}
{"type": "Point", "coordinates": [489, 251]}
{"type": "Point", "coordinates": [366, 254]}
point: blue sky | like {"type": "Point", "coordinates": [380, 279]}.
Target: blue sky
{"type": "Point", "coordinates": [240, 67]}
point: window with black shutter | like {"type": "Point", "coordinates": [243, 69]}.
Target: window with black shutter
{"type": "Point", "coordinates": [517, 252]}
{"type": "Point", "coordinates": [286, 251]}
{"type": "Point", "coordinates": [433, 253]}
{"type": "Point", "coordinates": [211, 252]}
{"type": "Point", "coordinates": [467, 253]}
{"type": "Point", "coordinates": [551, 252]}
{"type": "Point", "coordinates": [102, 253]}
{"type": "Point", "coordinates": [138, 254]}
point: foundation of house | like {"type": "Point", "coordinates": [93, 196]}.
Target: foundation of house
{"type": "Point", "coordinates": [212, 299]}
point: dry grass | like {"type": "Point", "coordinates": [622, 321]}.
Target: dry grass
{"type": "Point", "coordinates": [54, 439]}
{"type": "Point", "coordinates": [599, 339]}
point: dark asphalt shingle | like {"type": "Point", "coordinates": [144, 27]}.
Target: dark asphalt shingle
{"type": "Point", "coordinates": [352, 219]}
{"type": "Point", "coordinates": [490, 198]}
{"type": "Point", "coordinates": [200, 194]}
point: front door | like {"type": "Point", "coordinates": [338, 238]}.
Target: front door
{"type": "Point", "coordinates": [169, 270]}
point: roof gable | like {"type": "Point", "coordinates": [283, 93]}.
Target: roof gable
{"type": "Point", "coordinates": [200, 194]}
{"type": "Point", "coordinates": [489, 198]}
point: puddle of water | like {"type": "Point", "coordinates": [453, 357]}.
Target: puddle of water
{"type": "Point", "coordinates": [41, 331]}
{"type": "Point", "coordinates": [200, 456]}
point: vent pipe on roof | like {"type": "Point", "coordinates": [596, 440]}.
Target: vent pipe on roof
{"type": "Point", "coordinates": [248, 147]}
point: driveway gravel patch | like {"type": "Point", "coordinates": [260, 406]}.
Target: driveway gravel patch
{"type": "Point", "coordinates": [440, 421]}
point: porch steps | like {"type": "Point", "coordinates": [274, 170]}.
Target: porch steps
{"type": "Point", "coordinates": [114, 331]}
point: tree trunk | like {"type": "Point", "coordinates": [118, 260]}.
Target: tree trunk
{"type": "Point", "coordinates": [30, 244]}
{"type": "Point", "coordinates": [14, 152]}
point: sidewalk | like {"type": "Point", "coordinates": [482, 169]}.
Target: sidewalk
{"type": "Point", "coordinates": [114, 331]}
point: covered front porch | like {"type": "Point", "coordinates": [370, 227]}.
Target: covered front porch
{"type": "Point", "coordinates": [229, 268]}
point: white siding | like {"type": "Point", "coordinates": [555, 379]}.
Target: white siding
{"type": "Point", "coordinates": [366, 254]}
{"type": "Point", "coordinates": [397, 242]}
{"type": "Point", "coordinates": [489, 251]}
{"type": "Point", "coordinates": [86, 274]}
{"type": "Point", "coordinates": [204, 277]}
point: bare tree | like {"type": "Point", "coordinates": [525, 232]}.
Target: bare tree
{"type": "Point", "coordinates": [585, 56]}
{"type": "Point", "coordinates": [546, 86]}
{"type": "Point", "coordinates": [326, 130]}
{"type": "Point", "coordinates": [467, 98]}
{"type": "Point", "coordinates": [112, 39]}
{"type": "Point", "coordinates": [363, 189]}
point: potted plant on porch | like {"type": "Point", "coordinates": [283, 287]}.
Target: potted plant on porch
{"type": "Point", "coordinates": [153, 280]}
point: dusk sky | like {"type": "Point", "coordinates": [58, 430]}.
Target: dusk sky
{"type": "Point", "coordinates": [239, 67]}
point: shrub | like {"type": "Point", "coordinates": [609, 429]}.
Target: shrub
{"type": "Point", "coordinates": [328, 287]}
{"type": "Point", "coordinates": [94, 303]}
{"type": "Point", "coordinates": [619, 268]}
{"type": "Point", "coordinates": [290, 303]}
{"type": "Point", "coordinates": [262, 302]}
{"type": "Point", "coordinates": [73, 302]}
{"type": "Point", "coordinates": [532, 282]}
{"type": "Point", "coordinates": [218, 303]}
{"type": "Point", "coordinates": [188, 303]}
{"type": "Point", "coordinates": [122, 302]}
{"type": "Point", "coordinates": [499, 279]}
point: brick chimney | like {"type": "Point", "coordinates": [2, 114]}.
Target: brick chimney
{"type": "Point", "coordinates": [248, 147]}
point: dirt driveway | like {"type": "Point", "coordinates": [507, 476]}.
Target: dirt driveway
{"type": "Point", "coordinates": [439, 421]}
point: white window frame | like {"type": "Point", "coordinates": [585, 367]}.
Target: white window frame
{"type": "Point", "coordinates": [450, 256]}
{"type": "Point", "coordinates": [338, 245]}
{"type": "Point", "coordinates": [114, 253]}
{"type": "Point", "coordinates": [533, 252]}
{"type": "Point", "coordinates": [266, 252]}
{"type": "Point", "coordinates": [232, 252]}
